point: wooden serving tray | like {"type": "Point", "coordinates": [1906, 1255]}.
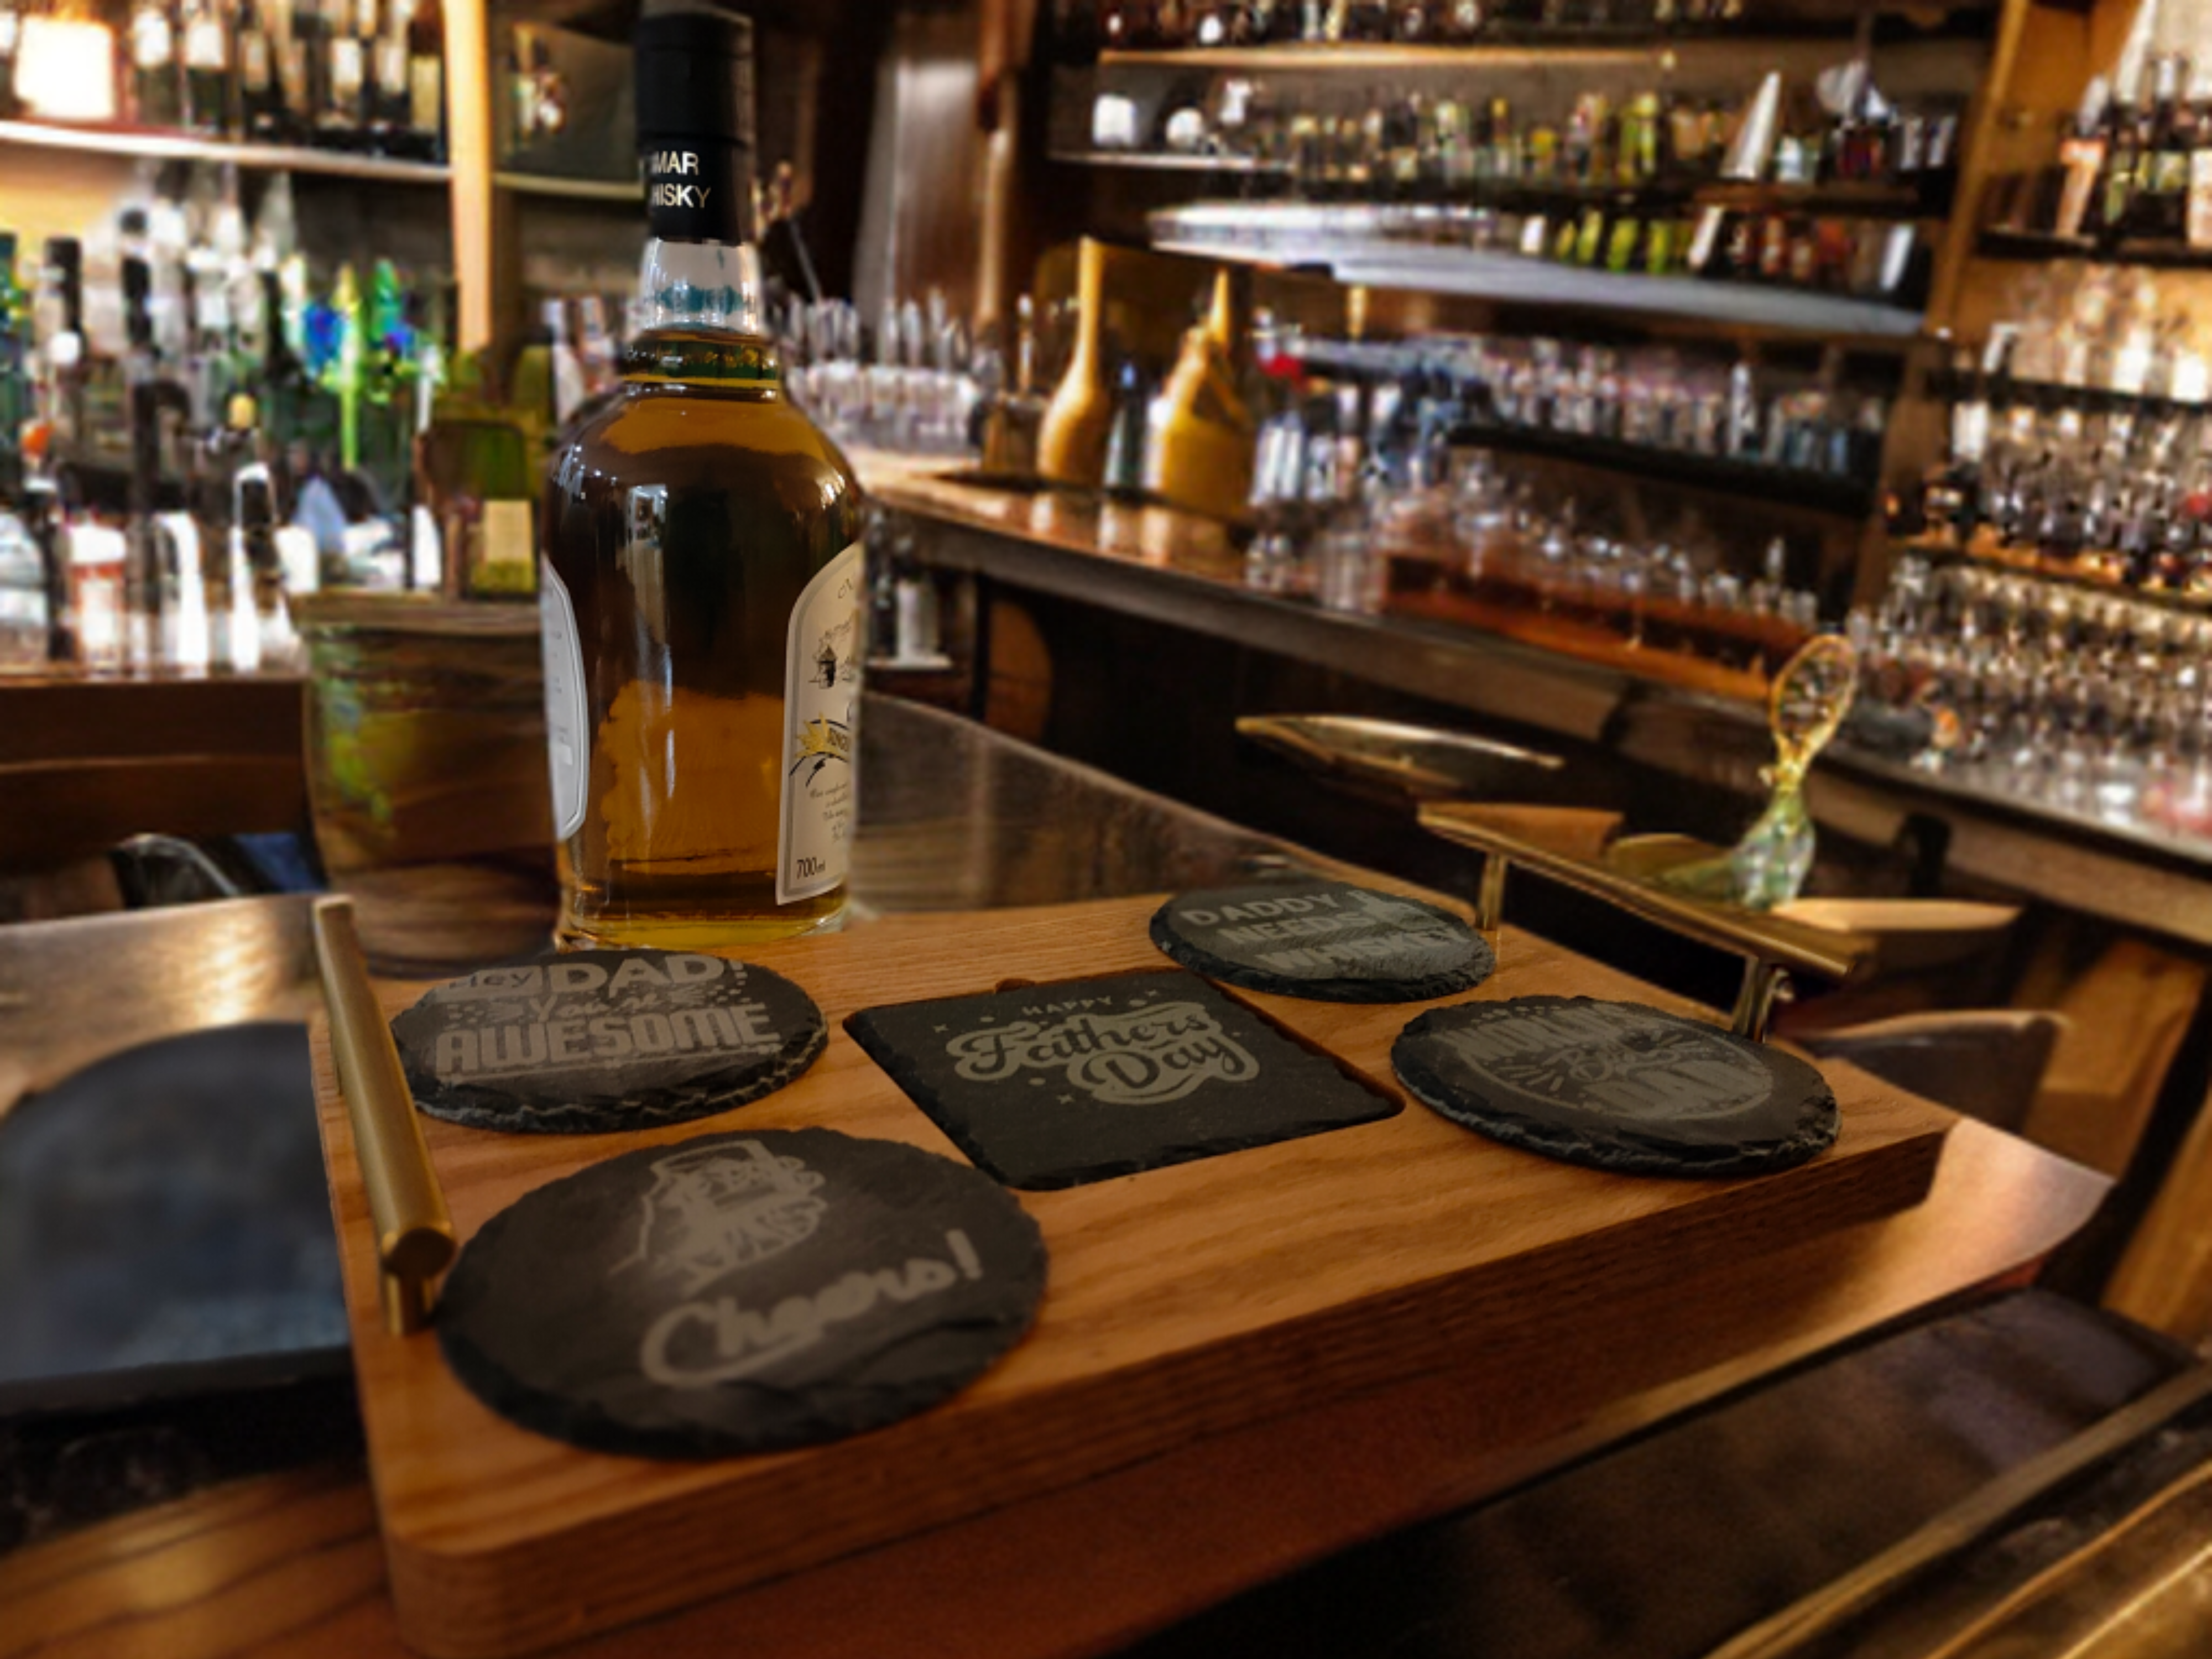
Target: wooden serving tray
{"type": "Point", "coordinates": [1181, 1303]}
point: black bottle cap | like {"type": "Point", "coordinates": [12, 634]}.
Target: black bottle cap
{"type": "Point", "coordinates": [695, 123]}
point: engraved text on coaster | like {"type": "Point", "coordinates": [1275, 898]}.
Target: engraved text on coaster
{"type": "Point", "coordinates": [1325, 940]}
{"type": "Point", "coordinates": [1055, 1086]}
{"type": "Point", "coordinates": [1616, 1086]}
{"type": "Point", "coordinates": [741, 1293]}
{"type": "Point", "coordinates": [601, 1041]}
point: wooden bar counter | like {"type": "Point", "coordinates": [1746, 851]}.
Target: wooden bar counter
{"type": "Point", "coordinates": [292, 1562]}
{"type": "Point", "coordinates": [1537, 676]}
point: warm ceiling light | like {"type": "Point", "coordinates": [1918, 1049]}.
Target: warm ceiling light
{"type": "Point", "coordinates": [65, 69]}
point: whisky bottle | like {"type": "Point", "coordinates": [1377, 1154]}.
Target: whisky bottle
{"type": "Point", "coordinates": [426, 81]}
{"type": "Point", "coordinates": [156, 91]}
{"type": "Point", "coordinates": [206, 51]}
{"type": "Point", "coordinates": [474, 468]}
{"type": "Point", "coordinates": [701, 579]}
{"type": "Point", "coordinates": [262, 116]}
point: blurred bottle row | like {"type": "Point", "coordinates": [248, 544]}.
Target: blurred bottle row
{"type": "Point", "coordinates": [346, 75]}
{"type": "Point", "coordinates": [195, 426]}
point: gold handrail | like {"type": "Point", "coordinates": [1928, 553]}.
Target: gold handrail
{"type": "Point", "coordinates": [1413, 758]}
{"type": "Point", "coordinates": [414, 1233]}
{"type": "Point", "coordinates": [1773, 948]}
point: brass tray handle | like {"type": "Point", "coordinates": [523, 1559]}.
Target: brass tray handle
{"type": "Point", "coordinates": [1772, 947]}
{"type": "Point", "coordinates": [414, 1239]}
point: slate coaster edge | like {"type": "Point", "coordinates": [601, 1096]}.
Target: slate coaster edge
{"type": "Point", "coordinates": [1206, 964]}
{"type": "Point", "coordinates": [886, 1054]}
{"type": "Point", "coordinates": [1819, 1122]}
{"type": "Point", "coordinates": [594, 1430]}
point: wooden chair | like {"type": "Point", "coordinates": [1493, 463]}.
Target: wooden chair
{"type": "Point", "coordinates": [1985, 1062]}
{"type": "Point", "coordinates": [2164, 1277]}
{"type": "Point", "coordinates": [2124, 1022]}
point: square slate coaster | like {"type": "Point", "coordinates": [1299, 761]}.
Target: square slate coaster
{"type": "Point", "coordinates": [1058, 1085]}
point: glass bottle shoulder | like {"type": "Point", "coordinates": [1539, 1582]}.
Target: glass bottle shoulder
{"type": "Point", "coordinates": [650, 420]}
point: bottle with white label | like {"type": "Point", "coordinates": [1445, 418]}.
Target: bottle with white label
{"type": "Point", "coordinates": [702, 585]}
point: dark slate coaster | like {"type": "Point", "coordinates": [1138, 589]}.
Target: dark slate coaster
{"type": "Point", "coordinates": [740, 1292]}
{"type": "Point", "coordinates": [1616, 1086]}
{"type": "Point", "coordinates": [599, 1041]}
{"type": "Point", "coordinates": [1056, 1085]}
{"type": "Point", "coordinates": [1323, 941]}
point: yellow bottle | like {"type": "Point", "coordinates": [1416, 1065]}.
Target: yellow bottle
{"type": "Point", "coordinates": [1199, 453]}
{"type": "Point", "coordinates": [1072, 443]}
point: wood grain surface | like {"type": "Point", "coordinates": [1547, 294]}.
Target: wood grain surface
{"type": "Point", "coordinates": [290, 1563]}
{"type": "Point", "coordinates": [1183, 1304]}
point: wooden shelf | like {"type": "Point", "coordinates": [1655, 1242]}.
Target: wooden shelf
{"type": "Point", "coordinates": [1491, 274]}
{"type": "Point", "coordinates": [2002, 390]}
{"type": "Point", "coordinates": [1167, 162]}
{"type": "Point", "coordinates": [2059, 574]}
{"type": "Point", "coordinates": [2128, 250]}
{"type": "Point", "coordinates": [629, 193]}
{"type": "Point", "coordinates": [1785, 486]}
{"type": "Point", "coordinates": [1572, 47]}
{"type": "Point", "coordinates": [162, 145]}
{"type": "Point", "coordinates": [1510, 43]}
{"type": "Point", "coordinates": [1863, 201]}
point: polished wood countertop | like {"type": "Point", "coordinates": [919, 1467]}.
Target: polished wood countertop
{"type": "Point", "coordinates": [1697, 719]}
{"type": "Point", "coordinates": [291, 1563]}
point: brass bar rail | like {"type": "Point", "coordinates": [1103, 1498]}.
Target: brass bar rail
{"type": "Point", "coordinates": [1773, 948]}
{"type": "Point", "coordinates": [414, 1239]}
{"type": "Point", "coordinates": [1420, 760]}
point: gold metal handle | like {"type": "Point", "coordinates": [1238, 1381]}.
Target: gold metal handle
{"type": "Point", "coordinates": [414, 1233]}
{"type": "Point", "coordinates": [1772, 947]}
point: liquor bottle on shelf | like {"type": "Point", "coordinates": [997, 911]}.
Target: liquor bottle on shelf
{"type": "Point", "coordinates": [703, 578]}
{"type": "Point", "coordinates": [342, 118]}
{"type": "Point", "coordinates": [11, 40]}
{"type": "Point", "coordinates": [156, 85]}
{"type": "Point", "coordinates": [1072, 440]}
{"type": "Point", "coordinates": [426, 81]}
{"type": "Point", "coordinates": [2196, 215]}
{"type": "Point", "coordinates": [206, 51]}
{"type": "Point", "coordinates": [388, 98]}
{"type": "Point", "coordinates": [2162, 195]}
{"type": "Point", "coordinates": [475, 469]}
{"type": "Point", "coordinates": [304, 65]}
{"type": "Point", "coordinates": [2127, 155]}
{"type": "Point", "coordinates": [1199, 443]}
{"type": "Point", "coordinates": [262, 113]}
{"type": "Point", "coordinates": [2081, 156]}
{"type": "Point", "coordinates": [14, 373]}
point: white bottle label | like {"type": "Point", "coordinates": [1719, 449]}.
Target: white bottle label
{"type": "Point", "coordinates": [206, 46]}
{"type": "Point", "coordinates": [566, 747]}
{"type": "Point", "coordinates": [821, 730]}
{"type": "Point", "coordinates": [152, 45]}
{"type": "Point", "coordinates": [510, 532]}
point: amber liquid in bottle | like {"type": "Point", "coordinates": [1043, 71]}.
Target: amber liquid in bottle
{"type": "Point", "coordinates": [684, 523]}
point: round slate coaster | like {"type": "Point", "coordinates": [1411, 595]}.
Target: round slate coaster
{"type": "Point", "coordinates": [1616, 1086]}
{"type": "Point", "coordinates": [1323, 941]}
{"type": "Point", "coordinates": [741, 1293]}
{"type": "Point", "coordinates": [599, 1041]}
